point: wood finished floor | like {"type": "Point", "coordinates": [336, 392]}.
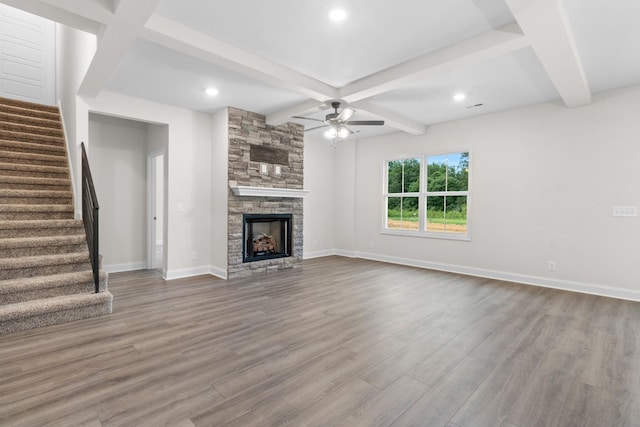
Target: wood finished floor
{"type": "Point", "coordinates": [337, 342]}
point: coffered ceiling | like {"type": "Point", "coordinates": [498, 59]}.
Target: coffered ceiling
{"type": "Point", "coordinates": [400, 61]}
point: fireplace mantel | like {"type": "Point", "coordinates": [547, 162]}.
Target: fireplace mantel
{"type": "Point", "coordinates": [241, 190]}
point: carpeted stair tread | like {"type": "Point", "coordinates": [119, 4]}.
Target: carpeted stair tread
{"type": "Point", "coordinates": [29, 183]}
{"type": "Point", "coordinates": [13, 196]}
{"type": "Point", "coordinates": [33, 147]}
{"type": "Point", "coordinates": [7, 156]}
{"type": "Point", "coordinates": [49, 283]}
{"type": "Point", "coordinates": [17, 116]}
{"type": "Point", "coordinates": [30, 137]}
{"type": "Point", "coordinates": [32, 242]}
{"type": "Point", "coordinates": [10, 102]}
{"type": "Point", "coordinates": [33, 170]}
{"type": "Point", "coordinates": [45, 260]}
{"type": "Point", "coordinates": [22, 212]}
{"type": "Point", "coordinates": [27, 112]}
{"type": "Point", "coordinates": [41, 224]}
{"type": "Point", "coordinates": [38, 227]}
{"type": "Point", "coordinates": [55, 304]}
{"type": "Point", "coordinates": [31, 130]}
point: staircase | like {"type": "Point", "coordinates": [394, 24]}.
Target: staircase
{"type": "Point", "coordinates": [45, 271]}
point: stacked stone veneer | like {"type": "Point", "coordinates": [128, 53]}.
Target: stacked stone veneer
{"type": "Point", "coordinates": [246, 129]}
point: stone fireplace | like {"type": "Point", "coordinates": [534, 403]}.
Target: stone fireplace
{"type": "Point", "coordinates": [265, 181]}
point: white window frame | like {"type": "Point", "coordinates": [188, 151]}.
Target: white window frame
{"type": "Point", "coordinates": [422, 199]}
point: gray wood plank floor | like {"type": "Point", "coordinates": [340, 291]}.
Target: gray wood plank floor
{"type": "Point", "coordinates": [336, 342]}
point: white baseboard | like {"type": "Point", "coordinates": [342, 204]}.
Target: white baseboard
{"type": "Point", "coordinates": [318, 254]}
{"type": "Point", "coordinates": [566, 285]}
{"type": "Point", "coordinates": [119, 268]}
{"type": "Point", "coordinates": [348, 254]}
{"type": "Point", "coordinates": [218, 272]}
{"type": "Point", "coordinates": [181, 273]}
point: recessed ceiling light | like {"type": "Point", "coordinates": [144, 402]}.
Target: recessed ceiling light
{"type": "Point", "coordinates": [211, 91]}
{"type": "Point", "coordinates": [337, 15]}
{"type": "Point", "coordinates": [459, 96]}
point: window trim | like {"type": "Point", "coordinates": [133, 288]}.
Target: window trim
{"type": "Point", "coordinates": [422, 198]}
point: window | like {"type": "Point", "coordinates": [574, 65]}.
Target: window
{"type": "Point", "coordinates": [428, 196]}
{"type": "Point", "coordinates": [403, 189]}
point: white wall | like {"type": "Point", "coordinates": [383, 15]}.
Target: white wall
{"type": "Point", "coordinates": [188, 172]}
{"type": "Point", "coordinates": [344, 187]}
{"type": "Point", "coordinates": [74, 52]}
{"type": "Point", "coordinates": [119, 169]}
{"type": "Point", "coordinates": [219, 192]}
{"type": "Point", "coordinates": [544, 181]}
{"type": "Point", "coordinates": [319, 204]}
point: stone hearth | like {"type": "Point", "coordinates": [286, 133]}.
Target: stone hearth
{"type": "Point", "coordinates": [263, 156]}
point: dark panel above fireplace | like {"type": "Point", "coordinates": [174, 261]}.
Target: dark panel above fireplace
{"type": "Point", "coordinates": [276, 156]}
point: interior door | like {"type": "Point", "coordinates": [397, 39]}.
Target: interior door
{"type": "Point", "coordinates": [27, 56]}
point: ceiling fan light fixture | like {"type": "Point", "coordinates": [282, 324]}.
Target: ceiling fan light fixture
{"type": "Point", "coordinates": [343, 132]}
{"type": "Point", "coordinates": [331, 133]}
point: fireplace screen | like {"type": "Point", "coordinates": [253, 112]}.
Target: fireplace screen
{"type": "Point", "coordinates": [266, 236]}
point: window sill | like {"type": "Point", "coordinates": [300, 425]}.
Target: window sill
{"type": "Point", "coordinates": [426, 234]}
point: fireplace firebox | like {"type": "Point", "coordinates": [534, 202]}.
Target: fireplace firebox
{"type": "Point", "coordinates": [266, 236]}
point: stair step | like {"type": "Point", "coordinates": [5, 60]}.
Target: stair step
{"type": "Point", "coordinates": [15, 115]}
{"type": "Point", "coordinates": [32, 158]}
{"type": "Point", "coordinates": [33, 170]}
{"type": "Point", "coordinates": [29, 112]}
{"type": "Point", "coordinates": [32, 130]}
{"type": "Point", "coordinates": [35, 228]}
{"type": "Point", "coordinates": [50, 311]}
{"type": "Point", "coordinates": [10, 135]}
{"type": "Point", "coordinates": [32, 183]}
{"type": "Point", "coordinates": [33, 288]}
{"type": "Point", "coordinates": [31, 106]}
{"type": "Point", "coordinates": [39, 197]}
{"type": "Point", "coordinates": [32, 147]}
{"type": "Point", "coordinates": [15, 247]}
{"type": "Point", "coordinates": [32, 212]}
{"type": "Point", "coordinates": [43, 265]}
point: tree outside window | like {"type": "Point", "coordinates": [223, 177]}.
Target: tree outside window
{"type": "Point", "coordinates": [403, 189]}
{"type": "Point", "coordinates": [447, 180]}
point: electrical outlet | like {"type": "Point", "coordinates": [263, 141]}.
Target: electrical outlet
{"type": "Point", "coordinates": [194, 256]}
{"type": "Point", "coordinates": [552, 266]}
{"type": "Point", "coordinates": [625, 211]}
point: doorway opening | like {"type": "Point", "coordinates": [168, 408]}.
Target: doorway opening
{"type": "Point", "coordinates": [156, 242]}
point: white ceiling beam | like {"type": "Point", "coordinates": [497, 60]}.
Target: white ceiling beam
{"type": "Point", "coordinates": [55, 13]}
{"type": "Point", "coordinates": [391, 119]}
{"type": "Point", "coordinates": [545, 24]}
{"type": "Point", "coordinates": [474, 50]}
{"type": "Point", "coordinates": [113, 42]}
{"type": "Point", "coordinates": [95, 10]}
{"type": "Point", "coordinates": [181, 38]}
{"type": "Point", "coordinates": [284, 116]}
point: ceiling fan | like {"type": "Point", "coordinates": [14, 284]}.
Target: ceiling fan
{"type": "Point", "coordinates": [337, 123]}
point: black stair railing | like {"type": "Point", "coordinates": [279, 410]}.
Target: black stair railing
{"type": "Point", "coordinates": [90, 209]}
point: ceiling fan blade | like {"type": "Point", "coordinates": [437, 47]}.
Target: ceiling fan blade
{"type": "Point", "coordinates": [317, 127]}
{"type": "Point", "coordinates": [366, 123]}
{"type": "Point", "coordinates": [307, 118]}
{"type": "Point", "coordinates": [345, 114]}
